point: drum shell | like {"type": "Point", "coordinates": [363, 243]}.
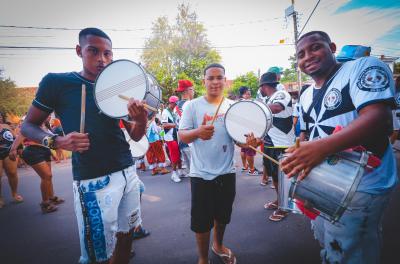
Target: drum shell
{"type": "Point", "coordinates": [153, 95]}
{"type": "Point", "coordinates": [247, 116]}
{"type": "Point", "coordinates": [329, 187]}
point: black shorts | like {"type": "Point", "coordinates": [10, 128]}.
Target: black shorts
{"type": "Point", "coordinates": [212, 200]}
{"type": "Point", "coordinates": [271, 167]}
{"type": "Point", "coordinates": [4, 153]}
{"type": "Point", "coordinates": [35, 154]}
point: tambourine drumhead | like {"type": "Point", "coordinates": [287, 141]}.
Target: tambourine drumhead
{"type": "Point", "coordinates": [246, 117]}
{"type": "Point", "coordinates": [121, 77]}
{"type": "Point", "coordinates": [138, 149]}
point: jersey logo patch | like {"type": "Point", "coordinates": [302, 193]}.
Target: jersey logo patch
{"type": "Point", "coordinates": [332, 99]}
{"type": "Point", "coordinates": [7, 135]}
{"type": "Point", "coordinates": [373, 79]}
{"type": "Point", "coordinates": [279, 96]}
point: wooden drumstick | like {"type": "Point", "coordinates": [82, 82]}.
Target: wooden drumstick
{"type": "Point", "coordinates": [216, 113]}
{"type": "Point", "coordinates": [297, 145]}
{"type": "Point", "coordinates": [126, 98]}
{"type": "Point", "coordinates": [83, 109]}
{"type": "Point", "coordinates": [265, 155]}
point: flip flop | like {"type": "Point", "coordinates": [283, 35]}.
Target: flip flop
{"type": "Point", "coordinates": [225, 258]}
{"type": "Point", "coordinates": [18, 199]}
{"type": "Point", "coordinates": [278, 215]}
{"type": "Point", "coordinates": [271, 206]}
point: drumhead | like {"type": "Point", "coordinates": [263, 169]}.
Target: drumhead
{"type": "Point", "coordinates": [121, 77]}
{"type": "Point", "coordinates": [138, 149]}
{"type": "Point", "coordinates": [247, 116]}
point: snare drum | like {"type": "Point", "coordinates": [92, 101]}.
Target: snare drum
{"type": "Point", "coordinates": [248, 116]}
{"type": "Point", "coordinates": [128, 79]}
{"type": "Point", "coordinates": [138, 149]}
{"type": "Point", "coordinates": [329, 187]}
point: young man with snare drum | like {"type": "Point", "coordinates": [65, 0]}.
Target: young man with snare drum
{"type": "Point", "coordinates": [106, 186]}
{"type": "Point", "coordinates": [212, 172]}
{"type": "Point", "coordinates": [358, 96]}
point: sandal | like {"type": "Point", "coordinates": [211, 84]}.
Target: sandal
{"type": "Point", "coordinates": [48, 207]}
{"type": "Point", "coordinates": [225, 258]}
{"type": "Point", "coordinates": [271, 206]}
{"type": "Point", "coordinates": [18, 199]}
{"type": "Point", "coordinates": [141, 233]}
{"type": "Point", "coordinates": [278, 215]}
{"type": "Point", "coordinates": [56, 200]}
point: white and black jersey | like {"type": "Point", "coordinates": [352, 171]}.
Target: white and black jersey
{"type": "Point", "coordinates": [355, 85]}
{"type": "Point", "coordinates": [281, 133]}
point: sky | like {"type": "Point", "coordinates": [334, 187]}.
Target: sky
{"type": "Point", "coordinates": [245, 33]}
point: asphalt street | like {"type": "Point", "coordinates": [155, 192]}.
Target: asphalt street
{"type": "Point", "coordinates": [28, 236]}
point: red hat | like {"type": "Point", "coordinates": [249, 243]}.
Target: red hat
{"type": "Point", "coordinates": [183, 85]}
{"type": "Point", "coordinates": [173, 99]}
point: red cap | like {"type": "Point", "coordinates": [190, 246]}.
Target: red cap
{"type": "Point", "coordinates": [183, 85]}
{"type": "Point", "coordinates": [173, 99]}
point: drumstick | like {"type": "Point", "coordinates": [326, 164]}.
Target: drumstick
{"type": "Point", "coordinates": [83, 109]}
{"type": "Point", "coordinates": [265, 155]}
{"type": "Point", "coordinates": [216, 113]}
{"type": "Point", "coordinates": [297, 145]}
{"type": "Point", "coordinates": [145, 105]}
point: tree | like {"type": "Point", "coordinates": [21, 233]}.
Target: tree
{"type": "Point", "coordinates": [290, 74]}
{"type": "Point", "coordinates": [249, 79]}
{"type": "Point", "coordinates": [14, 101]}
{"type": "Point", "coordinates": [179, 51]}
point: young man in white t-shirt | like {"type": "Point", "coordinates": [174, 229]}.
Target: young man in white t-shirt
{"type": "Point", "coordinates": [212, 172]}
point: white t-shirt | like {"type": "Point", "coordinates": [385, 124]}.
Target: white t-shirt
{"type": "Point", "coordinates": [167, 117]}
{"type": "Point", "coordinates": [281, 133]}
{"type": "Point", "coordinates": [214, 157]}
{"type": "Point", "coordinates": [355, 85]}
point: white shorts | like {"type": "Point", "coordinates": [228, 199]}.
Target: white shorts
{"type": "Point", "coordinates": [104, 206]}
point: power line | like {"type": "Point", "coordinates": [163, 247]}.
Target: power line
{"type": "Point", "coordinates": [308, 19]}
{"type": "Point", "coordinates": [136, 48]}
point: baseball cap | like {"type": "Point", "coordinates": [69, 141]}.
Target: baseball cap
{"type": "Point", "coordinates": [183, 85]}
{"type": "Point", "coordinates": [276, 69]}
{"type": "Point", "coordinates": [173, 99]}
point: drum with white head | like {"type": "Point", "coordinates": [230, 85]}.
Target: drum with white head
{"type": "Point", "coordinates": [124, 79]}
{"type": "Point", "coordinates": [139, 148]}
{"type": "Point", "coordinates": [248, 116]}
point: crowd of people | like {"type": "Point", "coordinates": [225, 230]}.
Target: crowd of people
{"type": "Point", "coordinates": [347, 105]}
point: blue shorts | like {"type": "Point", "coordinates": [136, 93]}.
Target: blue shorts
{"type": "Point", "coordinates": [105, 206]}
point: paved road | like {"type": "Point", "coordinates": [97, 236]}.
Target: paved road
{"type": "Point", "coordinates": [28, 236]}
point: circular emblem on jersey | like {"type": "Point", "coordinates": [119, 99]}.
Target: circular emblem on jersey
{"type": "Point", "coordinates": [279, 96]}
{"type": "Point", "coordinates": [332, 99]}
{"type": "Point", "coordinates": [373, 79]}
{"type": "Point", "coordinates": [7, 135]}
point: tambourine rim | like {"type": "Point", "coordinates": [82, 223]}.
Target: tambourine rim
{"type": "Point", "coordinates": [267, 127]}
{"type": "Point", "coordinates": [98, 76]}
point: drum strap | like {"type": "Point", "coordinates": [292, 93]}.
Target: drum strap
{"type": "Point", "coordinates": [322, 92]}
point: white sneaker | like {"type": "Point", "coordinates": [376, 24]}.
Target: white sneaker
{"type": "Point", "coordinates": [175, 177]}
{"type": "Point", "coordinates": [181, 173]}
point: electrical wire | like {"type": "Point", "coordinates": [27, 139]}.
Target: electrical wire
{"type": "Point", "coordinates": [308, 19]}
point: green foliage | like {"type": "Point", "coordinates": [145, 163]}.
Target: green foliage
{"type": "Point", "coordinates": [249, 79]}
{"type": "Point", "coordinates": [179, 51]}
{"type": "Point", "coordinates": [14, 100]}
{"type": "Point", "coordinates": [396, 69]}
{"type": "Point", "coordinates": [290, 74]}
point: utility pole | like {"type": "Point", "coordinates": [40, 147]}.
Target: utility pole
{"type": "Point", "coordinates": [291, 12]}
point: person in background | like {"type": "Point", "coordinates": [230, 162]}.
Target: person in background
{"type": "Point", "coordinates": [247, 154]}
{"type": "Point", "coordinates": [155, 154]}
{"type": "Point", "coordinates": [56, 128]}
{"type": "Point", "coordinates": [9, 143]}
{"type": "Point", "coordinates": [168, 121]}
{"type": "Point", "coordinates": [186, 91]}
{"type": "Point", "coordinates": [278, 71]}
{"type": "Point", "coordinates": [396, 113]}
{"type": "Point", "coordinates": [39, 158]}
